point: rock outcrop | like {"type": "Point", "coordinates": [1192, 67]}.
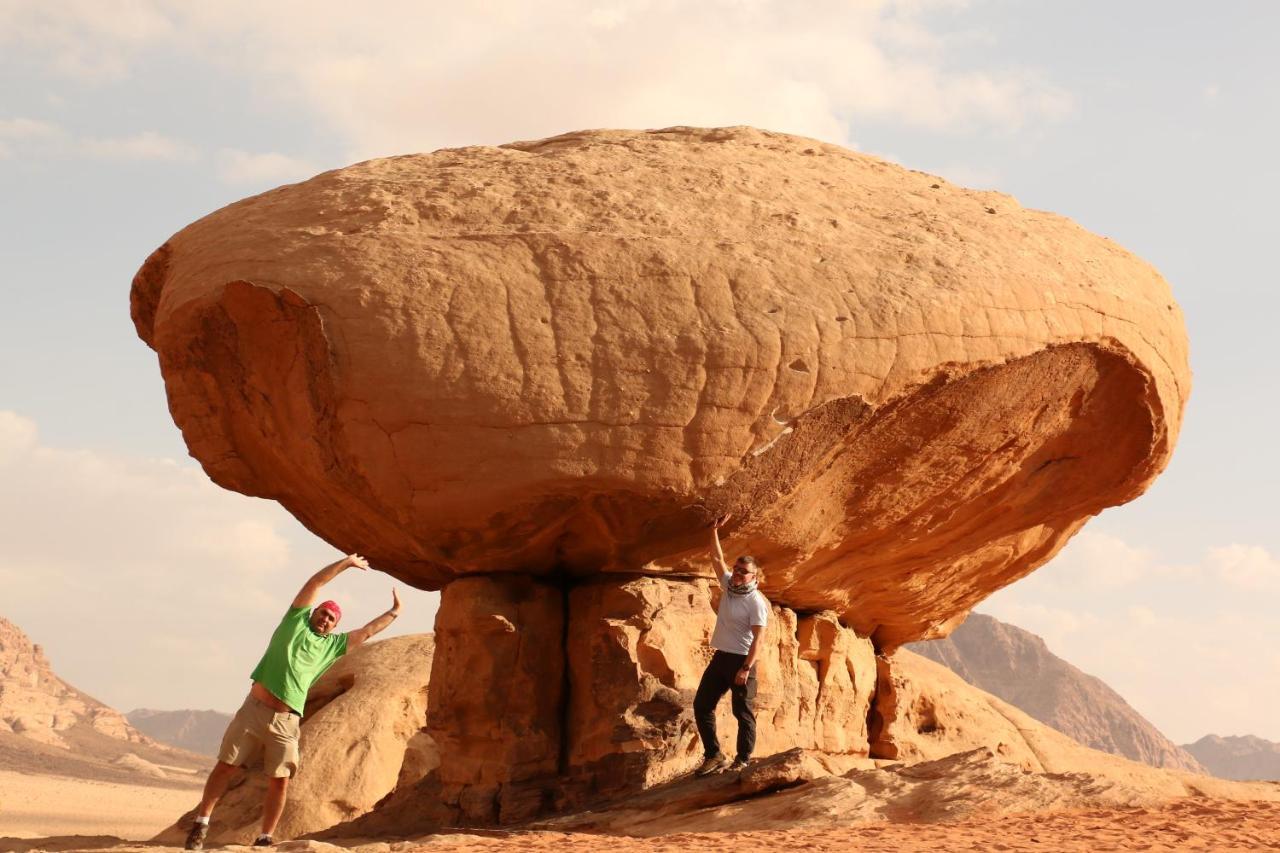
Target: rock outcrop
{"type": "Point", "coordinates": [38, 705]}
{"type": "Point", "coordinates": [362, 737]}
{"type": "Point", "coordinates": [50, 728]}
{"type": "Point", "coordinates": [530, 376]}
{"type": "Point", "coordinates": [1018, 667]}
{"type": "Point", "coordinates": [618, 716]}
{"type": "Point", "coordinates": [965, 753]}
{"type": "Point", "coordinates": [198, 731]}
{"type": "Point", "coordinates": [1238, 757]}
{"type": "Point", "coordinates": [792, 792]}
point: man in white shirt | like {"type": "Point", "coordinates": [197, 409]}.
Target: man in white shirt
{"type": "Point", "coordinates": [740, 621]}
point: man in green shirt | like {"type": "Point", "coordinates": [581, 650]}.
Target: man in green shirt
{"type": "Point", "coordinates": [301, 649]}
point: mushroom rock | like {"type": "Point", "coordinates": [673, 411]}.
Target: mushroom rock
{"type": "Point", "coordinates": [564, 356]}
{"type": "Point", "coordinates": [529, 375]}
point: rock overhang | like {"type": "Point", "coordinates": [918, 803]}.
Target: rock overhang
{"type": "Point", "coordinates": [563, 357]}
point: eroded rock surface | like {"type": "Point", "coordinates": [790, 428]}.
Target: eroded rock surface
{"type": "Point", "coordinates": [965, 753]}
{"type": "Point", "coordinates": [38, 705]}
{"type": "Point", "coordinates": [562, 357]}
{"type": "Point", "coordinates": [543, 699]}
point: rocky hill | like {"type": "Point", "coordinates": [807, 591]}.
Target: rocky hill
{"type": "Point", "coordinates": [48, 727]}
{"type": "Point", "coordinates": [1231, 757]}
{"type": "Point", "coordinates": [1018, 667]}
{"type": "Point", "coordinates": [197, 731]}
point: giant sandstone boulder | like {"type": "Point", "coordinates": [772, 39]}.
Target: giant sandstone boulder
{"type": "Point", "coordinates": [561, 358]}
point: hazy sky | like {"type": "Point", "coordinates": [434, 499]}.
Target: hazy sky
{"type": "Point", "coordinates": [1154, 123]}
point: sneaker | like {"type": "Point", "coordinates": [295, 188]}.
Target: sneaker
{"type": "Point", "coordinates": [738, 765]}
{"type": "Point", "coordinates": [263, 841]}
{"type": "Point", "coordinates": [195, 838]}
{"type": "Point", "coordinates": [711, 765]}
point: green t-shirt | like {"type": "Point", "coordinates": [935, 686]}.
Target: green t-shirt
{"type": "Point", "coordinates": [296, 657]}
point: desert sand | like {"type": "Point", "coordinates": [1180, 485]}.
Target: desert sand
{"type": "Point", "coordinates": [1185, 825]}
{"type": "Point", "coordinates": [34, 806]}
{"type": "Point", "coordinates": [1193, 824]}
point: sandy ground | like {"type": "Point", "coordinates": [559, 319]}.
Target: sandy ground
{"type": "Point", "coordinates": [1191, 824]}
{"type": "Point", "coordinates": [39, 806]}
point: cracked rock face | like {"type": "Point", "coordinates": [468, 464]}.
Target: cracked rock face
{"type": "Point", "coordinates": [565, 356]}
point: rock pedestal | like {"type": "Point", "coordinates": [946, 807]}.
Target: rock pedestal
{"type": "Point", "coordinates": [497, 693]}
{"type": "Point", "coordinates": [546, 696]}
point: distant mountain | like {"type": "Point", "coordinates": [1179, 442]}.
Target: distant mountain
{"type": "Point", "coordinates": [48, 727]}
{"type": "Point", "coordinates": [1018, 667]}
{"type": "Point", "coordinates": [1246, 757]}
{"type": "Point", "coordinates": [198, 731]}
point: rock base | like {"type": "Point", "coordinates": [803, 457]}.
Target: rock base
{"type": "Point", "coordinates": [546, 698]}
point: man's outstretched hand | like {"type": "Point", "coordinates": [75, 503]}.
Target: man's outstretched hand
{"type": "Point", "coordinates": [721, 520]}
{"type": "Point", "coordinates": [307, 595]}
{"type": "Point", "coordinates": [378, 624]}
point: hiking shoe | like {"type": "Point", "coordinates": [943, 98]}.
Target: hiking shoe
{"type": "Point", "coordinates": [195, 838]}
{"type": "Point", "coordinates": [738, 765]}
{"type": "Point", "coordinates": [263, 841]}
{"type": "Point", "coordinates": [711, 765]}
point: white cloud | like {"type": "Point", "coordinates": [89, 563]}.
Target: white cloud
{"type": "Point", "coordinates": [1188, 645]}
{"type": "Point", "coordinates": [27, 128]}
{"type": "Point", "coordinates": [36, 137]}
{"type": "Point", "coordinates": [1057, 626]}
{"type": "Point", "coordinates": [147, 584]}
{"type": "Point", "coordinates": [86, 40]}
{"type": "Point", "coordinates": [1101, 561]}
{"type": "Point", "coordinates": [147, 145]}
{"type": "Point", "coordinates": [1245, 566]}
{"type": "Point", "coordinates": [242, 167]}
{"type": "Point", "coordinates": [17, 436]}
{"type": "Point", "coordinates": [1142, 617]}
{"type": "Point", "coordinates": [407, 76]}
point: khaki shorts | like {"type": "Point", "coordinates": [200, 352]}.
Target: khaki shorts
{"type": "Point", "coordinates": [258, 732]}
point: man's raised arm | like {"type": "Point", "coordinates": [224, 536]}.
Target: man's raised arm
{"type": "Point", "coordinates": [361, 635]}
{"type": "Point", "coordinates": [307, 595]}
{"type": "Point", "coordinates": [716, 551]}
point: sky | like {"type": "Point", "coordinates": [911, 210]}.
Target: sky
{"type": "Point", "coordinates": [1153, 122]}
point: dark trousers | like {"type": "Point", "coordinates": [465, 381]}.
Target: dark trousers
{"type": "Point", "coordinates": [717, 679]}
